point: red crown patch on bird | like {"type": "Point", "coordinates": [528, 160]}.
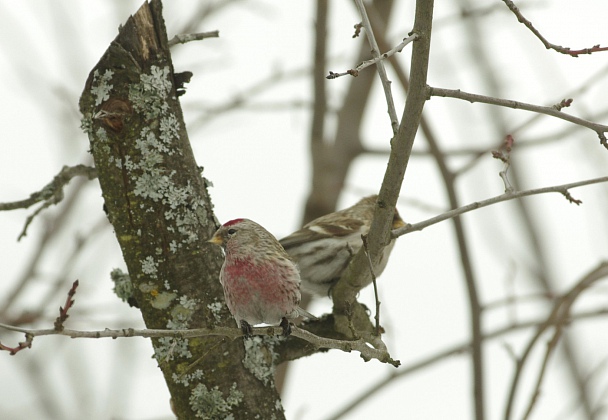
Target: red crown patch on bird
{"type": "Point", "coordinates": [233, 222]}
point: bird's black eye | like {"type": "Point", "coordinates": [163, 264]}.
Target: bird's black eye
{"type": "Point", "coordinates": [231, 231]}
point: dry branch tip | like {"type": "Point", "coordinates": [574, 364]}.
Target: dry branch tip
{"type": "Point", "coordinates": [63, 311]}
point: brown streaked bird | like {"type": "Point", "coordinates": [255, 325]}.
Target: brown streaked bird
{"type": "Point", "coordinates": [324, 247]}
{"type": "Point", "coordinates": [261, 283]}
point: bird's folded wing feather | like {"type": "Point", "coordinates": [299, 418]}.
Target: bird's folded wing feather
{"type": "Point", "coordinates": [318, 231]}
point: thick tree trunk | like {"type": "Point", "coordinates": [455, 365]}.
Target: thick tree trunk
{"type": "Point", "coordinates": [158, 203]}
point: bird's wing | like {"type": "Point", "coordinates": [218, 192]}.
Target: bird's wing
{"type": "Point", "coordinates": [317, 231]}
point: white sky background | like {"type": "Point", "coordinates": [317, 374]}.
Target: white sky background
{"type": "Point", "coordinates": [258, 162]}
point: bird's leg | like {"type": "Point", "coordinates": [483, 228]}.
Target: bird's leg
{"type": "Point", "coordinates": [286, 327]}
{"type": "Point", "coordinates": [246, 328]}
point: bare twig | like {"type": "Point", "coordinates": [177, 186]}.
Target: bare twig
{"type": "Point", "coordinates": [52, 227]}
{"type": "Point", "coordinates": [332, 160]}
{"type": "Point", "coordinates": [371, 270]}
{"type": "Point", "coordinates": [562, 189]}
{"type": "Point", "coordinates": [356, 274]}
{"type": "Point", "coordinates": [504, 155]}
{"type": "Point", "coordinates": [360, 345]}
{"type": "Point", "coordinates": [583, 87]}
{"type": "Point", "coordinates": [52, 189]}
{"type": "Point", "coordinates": [600, 129]}
{"type": "Point", "coordinates": [547, 44]}
{"type": "Point", "coordinates": [51, 194]}
{"type": "Point", "coordinates": [21, 346]}
{"type": "Point", "coordinates": [558, 319]}
{"type": "Point", "coordinates": [512, 299]}
{"type": "Point", "coordinates": [468, 276]}
{"type": "Point", "coordinates": [355, 72]}
{"type": "Point", "coordinates": [183, 38]}
{"type": "Point", "coordinates": [551, 346]}
{"type": "Point", "coordinates": [447, 354]}
{"type": "Point", "coordinates": [63, 311]}
{"type": "Point", "coordinates": [386, 84]}
{"type": "Point", "coordinates": [247, 95]}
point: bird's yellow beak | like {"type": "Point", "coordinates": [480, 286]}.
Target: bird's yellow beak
{"type": "Point", "coordinates": [216, 239]}
{"type": "Point", "coordinates": [398, 221]}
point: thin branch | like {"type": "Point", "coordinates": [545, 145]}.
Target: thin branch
{"type": "Point", "coordinates": [551, 346]}
{"type": "Point", "coordinates": [363, 65]}
{"type": "Point", "coordinates": [512, 299]}
{"type": "Point", "coordinates": [547, 44]}
{"type": "Point", "coordinates": [51, 194]}
{"type": "Point", "coordinates": [319, 109]}
{"type": "Point", "coordinates": [475, 153]}
{"type": "Point", "coordinates": [247, 95]}
{"type": "Point", "coordinates": [455, 350]}
{"type": "Point", "coordinates": [371, 270]}
{"type": "Point", "coordinates": [367, 352]}
{"type": "Point", "coordinates": [52, 227]}
{"type": "Point", "coordinates": [360, 345]}
{"type": "Point", "coordinates": [21, 346]}
{"type": "Point", "coordinates": [356, 274]}
{"type": "Point", "coordinates": [386, 84]}
{"type": "Point", "coordinates": [53, 188]}
{"type": "Point", "coordinates": [63, 311]}
{"type": "Point", "coordinates": [203, 14]}
{"type": "Point", "coordinates": [600, 129]}
{"type": "Point", "coordinates": [332, 160]}
{"type": "Point", "coordinates": [183, 38]}
{"type": "Point", "coordinates": [504, 155]}
{"type": "Point", "coordinates": [583, 87]}
{"type": "Point", "coordinates": [468, 274]}
{"type": "Point", "coordinates": [557, 318]}
{"type": "Point", "coordinates": [32, 216]}
{"type": "Point", "coordinates": [543, 276]}
{"type": "Point", "coordinates": [562, 189]}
